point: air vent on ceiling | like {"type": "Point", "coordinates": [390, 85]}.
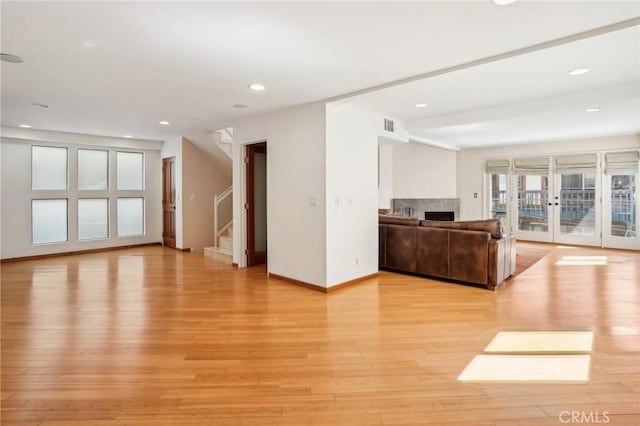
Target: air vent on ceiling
{"type": "Point", "coordinates": [388, 125]}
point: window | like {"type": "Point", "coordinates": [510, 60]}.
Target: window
{"type": "Point", "coordinates": [79, 202]}
{"type": "Point", "coordinates": [48, 168]}
{"type": "Point", "coordinates": [93, 170]}
{"type": "Point", "coordinates": [130, 166]}
{"type": "Point", "coordinates": [49, 221]}
{"type": "Point", "coordinates": [93, 218]}
{"type": "Point", "coordinates": [130, 217]}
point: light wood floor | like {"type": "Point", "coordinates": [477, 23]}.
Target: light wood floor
{"type": "Point", "coordinates": [152, 336]}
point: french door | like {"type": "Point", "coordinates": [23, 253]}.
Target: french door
{"type": "Point", "coordinates": [570, 199]}
{"type": "Point", "coordinates": [531, 205]}
{"type": "Point", "coordinates": [561, 208]}
{"type": "Point", "coordinates": [577, 208]}
{"type": "Point", "coordinates": [533, 209]}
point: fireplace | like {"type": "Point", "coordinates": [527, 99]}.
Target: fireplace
{"type": "Point", "coordinates": [443, 216]}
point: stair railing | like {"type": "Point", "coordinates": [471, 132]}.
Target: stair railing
{"type": "Point", "coordinates": [222, 213]}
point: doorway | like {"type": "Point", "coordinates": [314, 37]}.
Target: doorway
{"type": "Point", "coordinates": [256, 206]}
{"type": "Point", "coordinates": [169, 202]}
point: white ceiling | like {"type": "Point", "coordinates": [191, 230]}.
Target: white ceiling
{"type": "Point", "coordinates": [116, 68]}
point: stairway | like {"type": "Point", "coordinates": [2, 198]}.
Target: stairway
{"type": "Point", "coordinates": [224, 252]}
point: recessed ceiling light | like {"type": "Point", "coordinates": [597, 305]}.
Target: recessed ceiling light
{"type": "Point", "coordinates": [127, 136]}
{"type": "Point", "coordinates": [471, 125]}
{"type": "Point", "coordinates": [421, 105]}
{"type": "Point", "coordinates": [39, 105]}
{"type": "Point", "coordinates": [240, 106]}
{"type": "Point", "coordinates": [578, 71]}
{"type": "Point", "coordinates": [7, 57]}
{"type": "Point", "coordinates": [503, 2]}
{"type": "Point", "coordinates": [257, 87]}
{"type": "Point", "coordinates": [164, 122]}
{"type": "Point", "coordinates": [592, 109]}
{"type": "Point", "coordinates": [89, 44]}
{"type": "Point", "coordinates": [25, 126]}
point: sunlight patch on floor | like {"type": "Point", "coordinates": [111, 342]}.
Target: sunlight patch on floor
{"type": "Point", "coordinates": [527, 368]}
{"type": "Point", "coordinates": [541, 342]}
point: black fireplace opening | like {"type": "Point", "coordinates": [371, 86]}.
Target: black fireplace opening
{"type": "Point", "coordinates": [442, 216]}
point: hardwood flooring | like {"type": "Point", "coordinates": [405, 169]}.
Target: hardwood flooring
{"type": "Point", "coordinates": [153, 336]}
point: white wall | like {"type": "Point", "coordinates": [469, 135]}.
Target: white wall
{"type": "Point", "coordinates": [296, 237]}
{"type": "Point", "coordinates": [423, 171]}
{"type": "Point", "coordinates": [17, 195]}
{"type": "Point", "coordinates": [470, 164]}
{"type": "Point", "coordinates": [351, 193]}
{"type": "Point", "coordinates": [201, 181]}
{"type": "Point", "coordinates": [385, 176]}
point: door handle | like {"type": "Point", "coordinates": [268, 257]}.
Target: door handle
{"type": "Point", "coordinates": [556, 204]}
{"type": "Point", "coordinates": [550, 203]}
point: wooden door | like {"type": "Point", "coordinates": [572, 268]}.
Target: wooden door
{"type": "Point", "coordinates": [169, 202]}
{"type": "Point", "coordinates": [256, 204]}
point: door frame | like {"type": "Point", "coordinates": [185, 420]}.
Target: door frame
{"type": "Point", "coordinates": [252, 257]}
{"type": "Point", "coordinates": [169, 241]}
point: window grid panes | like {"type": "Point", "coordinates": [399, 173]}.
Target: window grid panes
{"type": "Point", "coordinates": [130, 171]}
{"type": "Point", "coordinates": [80, 210]}
{"type": "Point", "coordinates": [93, 218]}
{"type": "Point", "coordinates": [48, 168]}
{"type": "Point", "coordinates": [93, 166]}
{"type": "Point", "coordinates": [49, 221]}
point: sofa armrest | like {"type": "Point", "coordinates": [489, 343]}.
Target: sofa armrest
{"type": "Point", "coordinates": [502, 260]}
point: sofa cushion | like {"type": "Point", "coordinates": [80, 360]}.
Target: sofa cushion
{"type": "Point", "coordinates": [398, 220]}
{"type": "Point", "coordinates": [491, 226]}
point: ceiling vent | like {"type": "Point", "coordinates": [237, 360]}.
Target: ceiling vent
{"type": "Point", "coordinates": [388, 125]}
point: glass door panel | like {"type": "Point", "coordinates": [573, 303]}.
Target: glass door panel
{"type": "Point", "coordinates": [498, 203]}
{"type": "Point", "coordinates": [576, 210]}
{"type": "Point", "coordinates": [621, 212]}
{"type": "Point", "coordinates": [532, 209]}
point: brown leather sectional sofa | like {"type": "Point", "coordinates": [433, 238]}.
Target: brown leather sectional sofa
{"type": "Point", "coordinates": [470, 251]}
